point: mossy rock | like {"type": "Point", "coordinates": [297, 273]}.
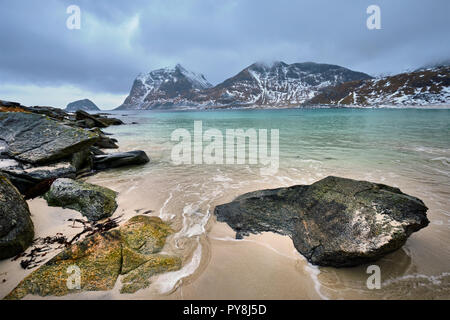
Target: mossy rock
{"type": "Point", "coordinates": [139, 278]}
{"type": "Point", "coordinates": [99, 260]}
{"type": "Point", "coordinates": [145, 234]}
{"type": "Point", "coordinates": [94, 202]}
{"type": "Point", "coordinates": [102, 258]}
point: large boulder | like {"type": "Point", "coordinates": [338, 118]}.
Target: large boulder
{"type": "Point", "coordinates": [131, 250]}
{"type": "Point", "coordinates": [37, 139]}
{"type": "Point", "coordinates": [120, 159]}
{"type": "Point", "coordinates": [334, 222]}
{"type": "Point", "coordinates": [16, 227]}
{"type": "Point", "coordinates": [25, 176]}
{"type": "Point", "coordinates": [94, 202]}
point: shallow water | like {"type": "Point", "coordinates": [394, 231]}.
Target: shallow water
{"type": "Point", "coordinates": [406, 148]}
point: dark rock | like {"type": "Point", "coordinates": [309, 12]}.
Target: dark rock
{"type": "Point", "coordinates": [106, 143]}
{"type": "Point", "coordinates": [112, 121]}
{"type": "Point", "coordinates": [86, 123]}
{"type": "Point", "coordinates": [94, 202]}
{"type": "Point", "coordinates": [37, 139]}
{"type": "Point", "coordinates": [96, 151]}
{"type": "Point", "coordinates": [114, 160]}
{"type": "Point", "coordinates": [334, 222]}
{"type": "Point", "coordinates": [51, 112]}
{"type": "Point", "coordinates": [83, 115]}
{"type": "Point", "coordinates": [82, 159]}
{"type": "Point", "coordinates": [25, 176]}
{"type": "Point", "coordinates": [16, 227]}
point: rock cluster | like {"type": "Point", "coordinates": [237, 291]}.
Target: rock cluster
{"type": "Point", "coordinates": [42, 151]}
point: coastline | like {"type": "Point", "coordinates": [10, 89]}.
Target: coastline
{"type": "Point", "coordinates": [260, 266]}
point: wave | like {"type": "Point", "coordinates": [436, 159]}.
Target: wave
{"type": "Point", "coordinates": [170, 281]}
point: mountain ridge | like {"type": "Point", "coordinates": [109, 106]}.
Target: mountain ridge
{"type": "Point", "coordinates": [421, 87]}
{"type": "Point", "coordinates": [278, 84]}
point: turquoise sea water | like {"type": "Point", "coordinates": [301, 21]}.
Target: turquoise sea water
{"type": "Point", "coordinates": [404, 140]}
{"type": "Point", "coordinates": [406, 148]}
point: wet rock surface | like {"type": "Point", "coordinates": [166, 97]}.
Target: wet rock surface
{"type": "Point", "coordinates": [120, 159]}
{"type": "Point", "coordinates": [131, 250]}
{"type": "Point", "coordinates": [334, 222]}
{"type": "Point", "coordinates": [16, 227]}
{"type": "Point", "coordinates": [94, 202]}
{"type": "Point", "coordinates": [36, 139]}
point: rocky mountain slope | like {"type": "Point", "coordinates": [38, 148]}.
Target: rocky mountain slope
{"type": "Point", "coordinates": [422, 87]}
{"type": "Point", "coordinates": [164, 88]}
{"type": "Point", "coordinates": [85, 105]}
{"type": "Point", "coordinates": [276, 84]}
{"type": "Point", "coordinates": [288, 85]}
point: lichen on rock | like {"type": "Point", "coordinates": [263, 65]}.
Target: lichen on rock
{"type": "Point", "coordinates": [102, 258]}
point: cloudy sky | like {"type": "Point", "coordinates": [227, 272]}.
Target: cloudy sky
{"type": "Point", "coordinates": [42, 62]}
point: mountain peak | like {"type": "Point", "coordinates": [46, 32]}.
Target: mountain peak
{"type": "Point", "coordinates": [273, 83]}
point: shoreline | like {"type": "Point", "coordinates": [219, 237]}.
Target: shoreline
{"type": "Point", "coordinates": [230, 268]}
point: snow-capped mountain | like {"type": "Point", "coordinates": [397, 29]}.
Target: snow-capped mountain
{"type": "Point", "coordinates": [276, 84]}
{"type": "Point", "coordinates": [422, 87]}
{"type": "Point", "coordinates": [164, 88]}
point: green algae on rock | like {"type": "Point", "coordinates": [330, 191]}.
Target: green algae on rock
{"type": "Point", "coordinates": [334, 222]}
{"type": "Point", "coordinates": [93, 201]}
{"type": "Point", "coordinates": [102, 258]}
{"type": "Point", "coordinates": [156, 263]}
{"type": "Point", "coordinates": [16, 227]}
{"type": "Point", "coordinates": [145, 234]}
{"type": "Point", "coordinates": [143, 237]}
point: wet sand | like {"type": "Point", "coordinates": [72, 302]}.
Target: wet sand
{"type": "Point", "coordinates": [264, 266]}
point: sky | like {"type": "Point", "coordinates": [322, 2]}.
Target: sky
{"type": "Point", "coordinates": [42, 62]}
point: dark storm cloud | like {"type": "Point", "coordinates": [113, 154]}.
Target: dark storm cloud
{"type": "Point", "coordinates": [119, 39]}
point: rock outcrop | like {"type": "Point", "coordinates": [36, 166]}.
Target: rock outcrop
{"type": "Point", "coordinates": [94, 202]}
{"type": "Point", "coordinates": [16, 227]}
{"type": "Point", "coordinates": [37, 139]}
{"type": "Point", "coordinates": [334, 222]}
{"type": "Point", "coordinates": [131, 250]}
